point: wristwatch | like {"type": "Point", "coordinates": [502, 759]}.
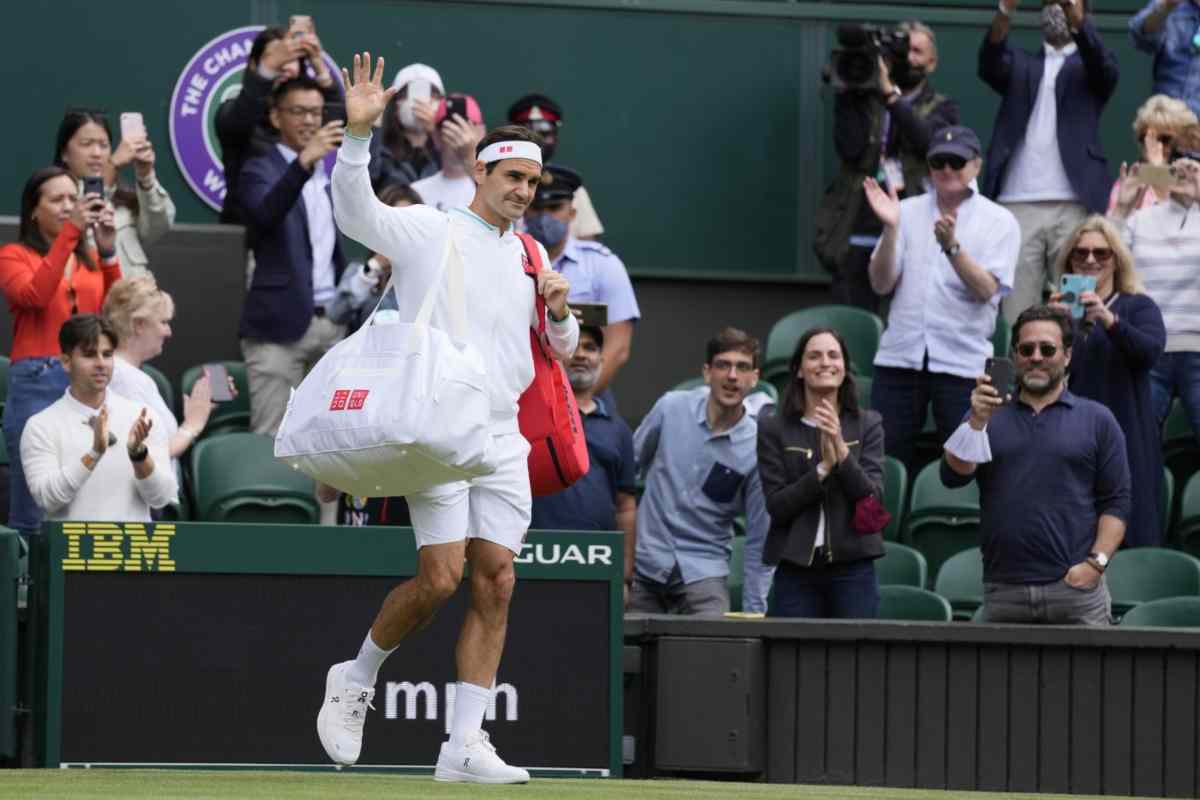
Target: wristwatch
{"type": "Point", "coordinates": [952, 251]}
{"type": "Point", "coordinates": [1100, 560]}
{"type": "Point", "coordinates": [139, 455]}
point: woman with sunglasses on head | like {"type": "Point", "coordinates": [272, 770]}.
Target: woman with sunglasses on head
{"type": "Point", "coordinates": [1118, 340]}
{"type": "Point", "coordinates": [1157, 124]}
{"type": "Point", "coordinates": [821, 462]}
{"type": "Point", "coordinates": [48, 276]}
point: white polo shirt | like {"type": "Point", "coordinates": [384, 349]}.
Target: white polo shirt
{"type": "Point", "coordinates": [932, 309]}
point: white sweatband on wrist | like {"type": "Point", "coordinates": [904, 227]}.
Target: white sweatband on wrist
{"type": "Point", "coordinates": [498, 151]}
{"type": "Point", "coordinates": [1002, 9]}
{"type": "Point", "coordinates": [969, 444]}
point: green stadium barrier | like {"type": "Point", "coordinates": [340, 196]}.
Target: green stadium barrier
{"type": "Point", "coordinates": [10, 572]}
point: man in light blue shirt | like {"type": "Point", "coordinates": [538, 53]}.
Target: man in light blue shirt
{"type": "Point", "coordinates": [1168, 30]}
{"type": "Point", "coordinates": [697, 450]}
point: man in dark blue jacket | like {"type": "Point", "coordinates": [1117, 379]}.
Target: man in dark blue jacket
{"type": "Point", "coordinates": [1045, 163]}
{"type": "Point", "coordinates": [288, 210]}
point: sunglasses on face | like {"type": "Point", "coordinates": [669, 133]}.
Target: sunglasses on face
{"type": "Point", "coordinates": [1102, 254]}
{"type": "Point", "coordinates": [1027, 349]}
{"type": "Point", "coordinates": [941, 161]}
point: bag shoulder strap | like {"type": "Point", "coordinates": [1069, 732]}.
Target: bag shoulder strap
{"type": "Point", "coordinates": [451, 269]}
{"type": "Point", "coordinates": [533, 265]}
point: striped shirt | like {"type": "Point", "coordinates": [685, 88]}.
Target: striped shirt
{"type": "Point", "coordinates": [1165, 240]}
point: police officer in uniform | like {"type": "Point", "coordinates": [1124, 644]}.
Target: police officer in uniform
{"type": "Point", "coordinates": [544, 116]}
{"type": "Point", "coordinates": [595, 273]}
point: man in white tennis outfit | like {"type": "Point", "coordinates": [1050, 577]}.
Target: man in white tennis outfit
{"type": "Point", "coordinates": [482, 521]}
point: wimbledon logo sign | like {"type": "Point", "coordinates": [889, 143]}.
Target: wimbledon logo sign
{"type": "Point", "coordinates": [212, 76]}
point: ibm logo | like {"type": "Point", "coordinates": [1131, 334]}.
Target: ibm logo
{"type": "Point", "coordinates": [112, 547]}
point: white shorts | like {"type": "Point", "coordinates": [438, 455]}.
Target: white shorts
{"type": "Point", "coordinates": [496, 507]}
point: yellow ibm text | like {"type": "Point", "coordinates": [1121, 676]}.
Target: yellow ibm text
{"type": "Point", "coordinates": [112, 547]}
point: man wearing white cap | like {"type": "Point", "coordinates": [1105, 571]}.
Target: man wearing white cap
{"type": "Point", "coordinates": [403, 151]}
{"type": "Point", "coordinates": [483, 521]}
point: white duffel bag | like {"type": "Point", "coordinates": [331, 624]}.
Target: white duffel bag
{"type": "Point", "coordinates": [395, 407]}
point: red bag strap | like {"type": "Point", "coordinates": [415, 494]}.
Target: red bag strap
{"type": "Point", "coordinates": [533, 265]}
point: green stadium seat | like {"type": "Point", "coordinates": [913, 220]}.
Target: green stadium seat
{"type": "Point", "coordinates": [941, 521]}
{"type": "Point", "coordinates": [1169, 612]}
{"type": "Point", "coordinates": [1181, 454]}
{"type": "Point", "coordinates": [164, 386]}
{"type": "Point", "coordinates": [1187, 530]}
{"type": "Point", "coordinates": [860, 328]}
{"type": "Point", "coordinates": [895, 493]}
{"type": "Point", "coordinates": [737, 561]}
{"type": "Point", "coordinates": [901, 566]}
{"type": "Point", "coordinates": [912, 603]}
{"type": "Point", "coordinates": [960, 581]}
{"type": "Point", "coordinates": [1002, 338]}
{"type": "Point", "coordinates": [236, 478]}
{"type": "Point", "coordinates": [231, 416]}
{"type": "Point", "coordinates": [1166, 503]}
{"type": "Point", "coordinates": [1141, 574]}
{"type": "Point", "coordinates": [862, 390]}
{"type": "Point", "coordinates": [931, 496]}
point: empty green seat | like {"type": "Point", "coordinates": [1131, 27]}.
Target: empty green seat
{"type": "Point", "coordinates": [1187, 530]}
{"type": "Point", "coordinates": [900, 566]}
{"type": "Point", "coordinates": [960, 581]}
{"type": "Point", "coordinates": [931, 496]}
{"type": "Point", "coordinates": [236, 478]}
{"type": "Point", "coordinates": [1141, 574]}
{"type": "Point", "coordinates": [163, 385]}
{"type": "Point", "coordinates": [860, 329]}
{"type": "Point", "coordinates": [230, 416]}
{"type": "Point", "coordinates": [911, 603]}
{"type": "Point", "coordinates": [941, 521]}
{"type": "Point", "coordinates": [1169, 612]}
{"type": "Point", "coordinates": [895, 492]}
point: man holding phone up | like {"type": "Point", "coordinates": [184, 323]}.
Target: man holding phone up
{"type": "Point", "coordinates": [481, 522]}
{"type": "Point", "coordinates": [1054, 484]}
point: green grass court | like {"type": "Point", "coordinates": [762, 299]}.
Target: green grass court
{"type": "Point", "coordinates": [170, 784]}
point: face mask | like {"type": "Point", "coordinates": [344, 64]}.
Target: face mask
{"type": "Point", "coordinates": [404, 110]}
{"type": "Point", "coordinates": [548, 230]}
{"type": "Point", "coordinates": [1054, 24]}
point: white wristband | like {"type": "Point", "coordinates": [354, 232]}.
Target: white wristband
{"type": "Point", "coordinates": [1002, 9]}
{"type": "Point", "coordinates": [969, 444]}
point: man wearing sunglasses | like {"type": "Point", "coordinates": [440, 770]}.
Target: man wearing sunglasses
{"type": "Point", "coordinates": [1169, 30]}
{"type": "Point", "coordinates": [1165, 242]}
{"type": "Point", "coordinates": [1045, 162]}
{"type": "Point", "coordinates": [947, 257]}
{"type": "Point", "coordinates": [1054, 485]}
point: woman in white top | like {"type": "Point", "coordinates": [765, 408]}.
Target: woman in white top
{"type": "Point", "coordinates": [142, 314]}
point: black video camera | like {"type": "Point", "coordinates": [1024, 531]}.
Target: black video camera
{"type": "Point", "coordinates": [854, 64]}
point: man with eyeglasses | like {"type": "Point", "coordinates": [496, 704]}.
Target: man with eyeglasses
{"type": "Point", "coordinates": [1045, 162]}
{"type": "Point", "coordinates": [1054, 485]}
{"type": "Point", "coordinates": [288, 210]}
{"type": "Point", "coordinates": [697, 450]}
{"type": "Point", "coordinates": [947, 257]}
{"type": "Point", "coordinates": [1169, 30]}
{"type": "Point", "coordinates": [1165, 241]}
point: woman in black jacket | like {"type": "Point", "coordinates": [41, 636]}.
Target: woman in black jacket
{"type": "Point", "coordinates": [821, 462]}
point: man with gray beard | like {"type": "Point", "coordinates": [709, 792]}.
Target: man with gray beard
{"type": "Point", "coordinates": [604, 499]}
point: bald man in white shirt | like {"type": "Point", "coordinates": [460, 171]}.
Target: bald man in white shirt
{"type": "Point", "coordinates": [480, 522]}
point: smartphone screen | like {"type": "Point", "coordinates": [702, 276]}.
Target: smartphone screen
{"type": "Point", "coordinates": [592, 313]}
{"type": "Point", "coordinates": [456, 105]}
{"type": "Point", "coordinates": [1157, 175]}
{"type": "Point", "coordinates": [132, 125]}
{"type": "Point", "coordinates": [218, 378]}
{"type": "Point", "coordinates": [1003, 375]}
{"type": "Point", "coordinates": [1072, 287]}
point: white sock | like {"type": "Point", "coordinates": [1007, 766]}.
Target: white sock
{"type": "Point", "coordinates": [365, 669]}
{"type": "Point", "coordinates": [470, 704]}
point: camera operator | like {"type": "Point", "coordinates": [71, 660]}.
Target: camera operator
{"type": "Point", "coordinates": [884, 115]}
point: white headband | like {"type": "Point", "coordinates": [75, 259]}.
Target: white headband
{"type": "Point", "coordinates": [502, 150]}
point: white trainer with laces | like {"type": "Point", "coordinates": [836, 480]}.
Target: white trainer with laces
{"type": "Point", "coordinates": [476, 762]}
{"type": "Point", "coordinates": [343, 713]}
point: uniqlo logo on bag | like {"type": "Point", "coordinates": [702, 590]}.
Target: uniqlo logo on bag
{"type": "Point", "coordinates": [340, 397]}
{"type": "Point", "coordinates": [357, 398]}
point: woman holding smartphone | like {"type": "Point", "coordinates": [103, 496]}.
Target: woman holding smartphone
{"type": "Point", "coordinates": [141, 313]}
{"type": "Point", "coordinates": [1157, 125]}
{"type": "Point", "coordinates": [48, 276]}
{"type": "Point", "coordinates": [143, 213]}
{"type": "Point", "coordinates": [1117, 342]}
{"type": "Point", "coordinates": [821, 462]}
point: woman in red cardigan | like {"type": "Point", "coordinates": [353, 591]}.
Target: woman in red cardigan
{"type": "Point", "coordinates": [48, 276]}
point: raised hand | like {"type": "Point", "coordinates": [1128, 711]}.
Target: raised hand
{"type": "Point", "coordinates": [886, 205]}
{"type": "Point", "coordinates": [461, 137]}
{"type": "Point", "coordinates": [943, 229]}
{"type": "Point", "coordinates": [365, 96]}
{"type": "Point", "coordinates": [1152, 148]}
{"type": "Point", "coordinates": [99, 426]}
{"type": "Point", "coordinates": [327, 138]}
{"type": "Point", "coordinates": [1130, 190]}
{"type": "Point", "coordinates": [198, 406]}
{"type": "Point", "coordinates": [139, 431]}
{"type": "Point", "coordinates": [985, 399]}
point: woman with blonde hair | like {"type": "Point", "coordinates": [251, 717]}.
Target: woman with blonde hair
{"type": "Point", "coordinates": [1117, 343]}
{"type": "Point", "coordinates": [142, 314]}
{"type": "Point", "coordinates": [1157, 125]}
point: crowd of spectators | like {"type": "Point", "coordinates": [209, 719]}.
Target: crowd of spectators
{"type": "Point", "coordinates": [918, 222]}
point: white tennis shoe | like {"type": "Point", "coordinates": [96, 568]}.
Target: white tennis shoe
{"type": "Point", "coordinates": [343, 714]}
{"type": "Point", "coordinates": [476, 762]}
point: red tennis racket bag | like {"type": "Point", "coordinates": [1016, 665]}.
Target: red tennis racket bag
{"type": "Point", "coordinates": [548, 414]}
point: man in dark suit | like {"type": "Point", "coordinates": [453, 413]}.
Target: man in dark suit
{"type": "Point", "coordinates": [1044, 162]}
{"type": "Point", "coordinates": [284, 194]}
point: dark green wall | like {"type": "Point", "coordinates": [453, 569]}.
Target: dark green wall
{"type": "Point", "coordinates": [699, 125]}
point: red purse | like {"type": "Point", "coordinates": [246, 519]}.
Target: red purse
{"type": "Point", "coordinates": [548, 414]}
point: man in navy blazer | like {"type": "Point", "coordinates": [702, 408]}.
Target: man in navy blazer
{"type": "Point", "coordinates": [288, 210]}
{"type": "Point", "coordinates": [1045, 163]}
